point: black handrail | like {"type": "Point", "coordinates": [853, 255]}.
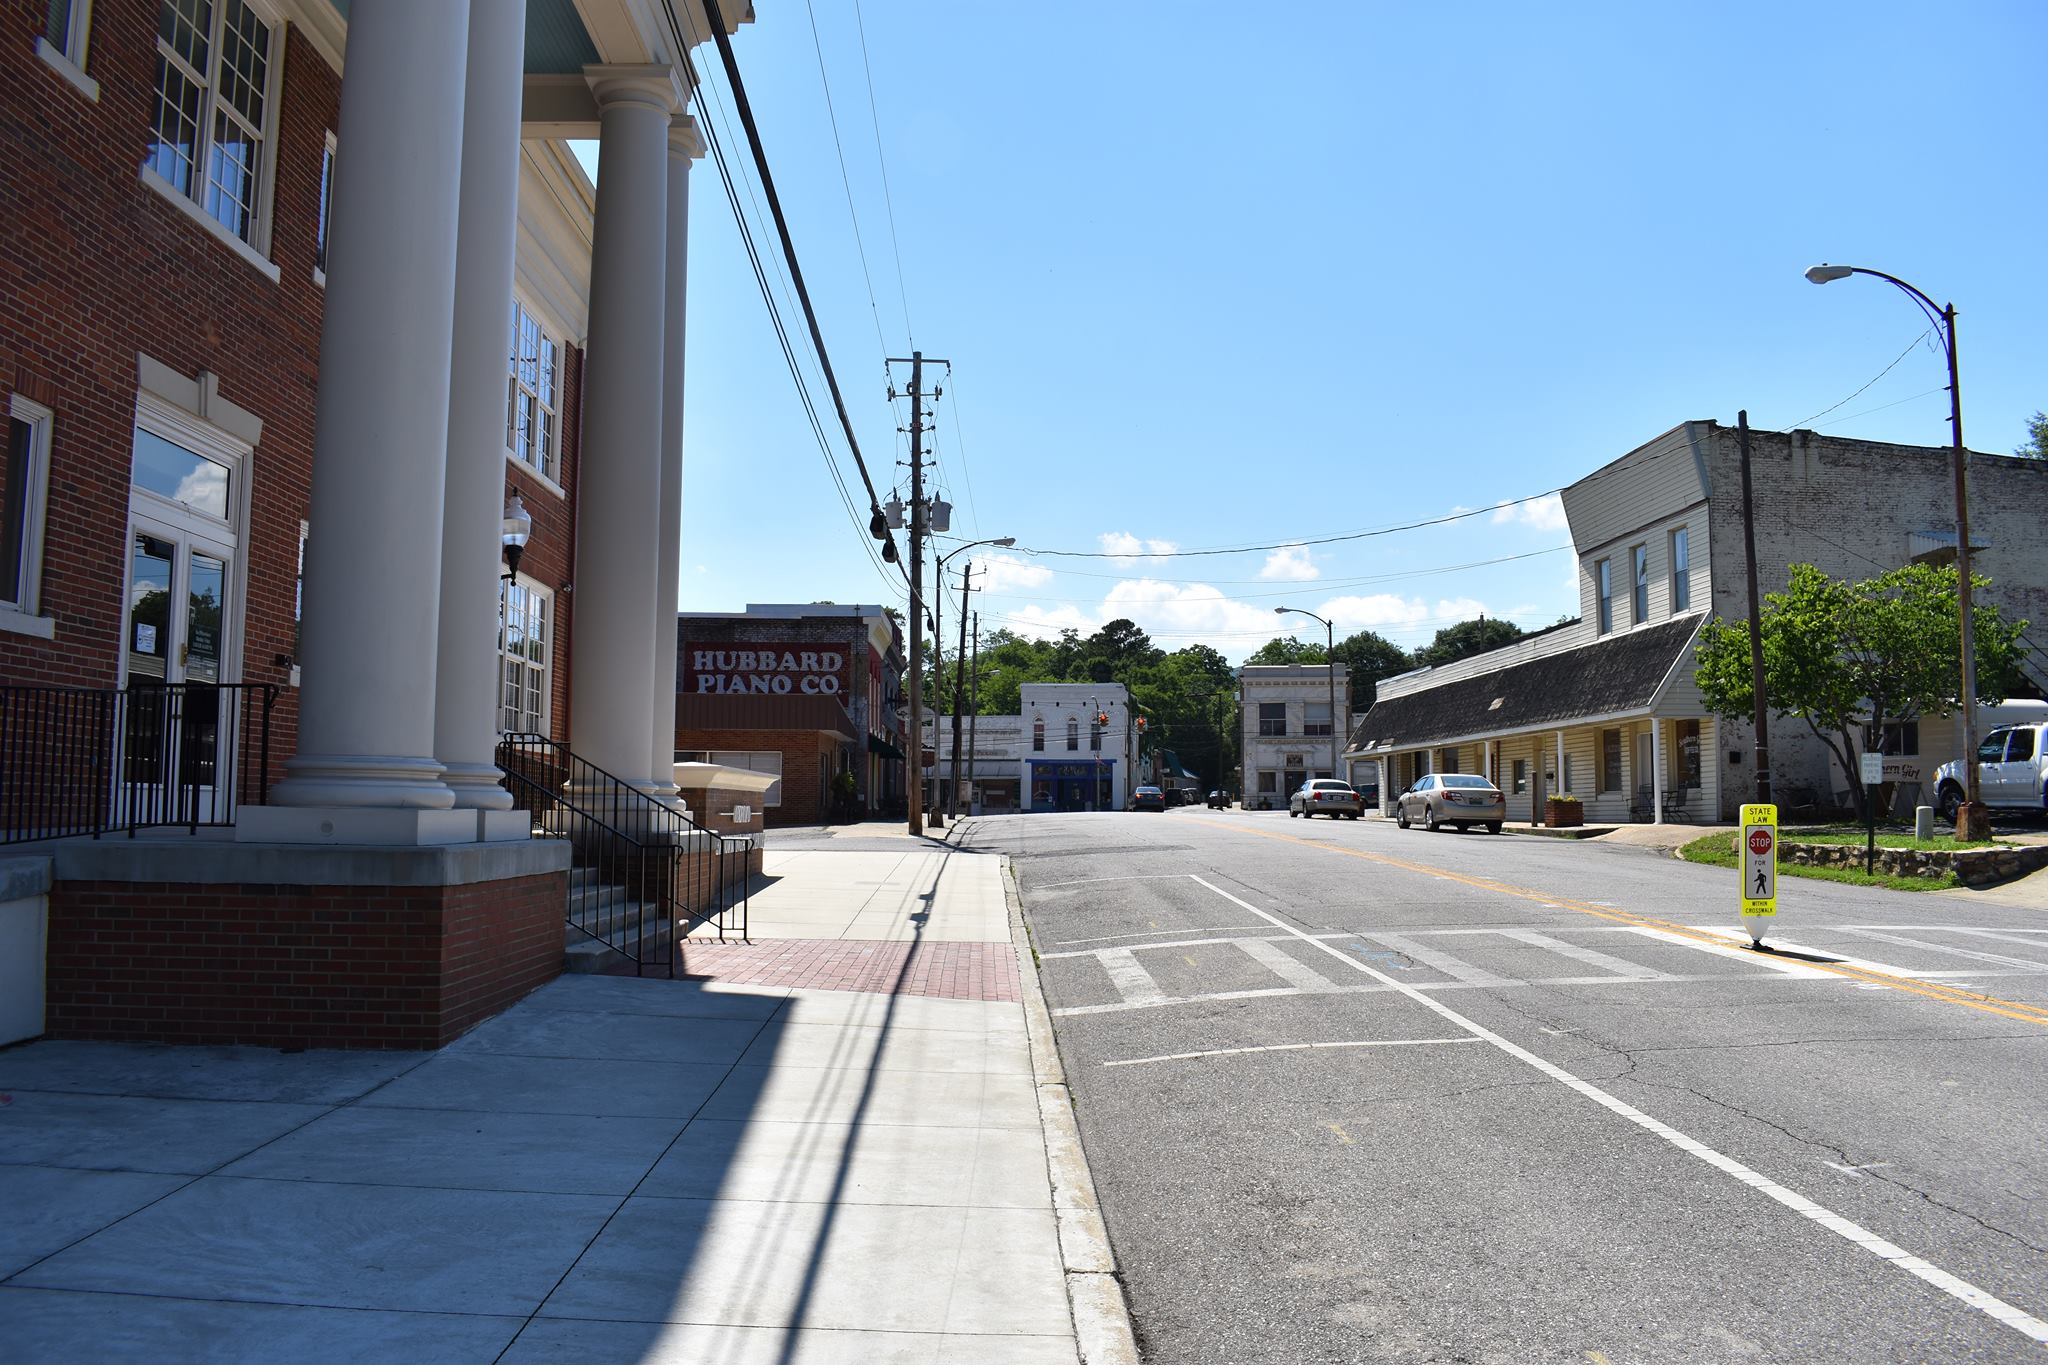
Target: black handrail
{"type": "Point", "coordinates": [648, 874]}
{"type": "Point", "coordinates": [81, 760]}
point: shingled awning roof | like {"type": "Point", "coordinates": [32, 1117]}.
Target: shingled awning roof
{"type": "Point", "coordinates": [1609, 678]}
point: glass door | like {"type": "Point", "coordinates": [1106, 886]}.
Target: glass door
{"type": "Point", "coordinates": [174, 639]}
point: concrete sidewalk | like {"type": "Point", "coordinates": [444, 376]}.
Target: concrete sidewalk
{"type": "Point", "coordinates": [829, 1151]}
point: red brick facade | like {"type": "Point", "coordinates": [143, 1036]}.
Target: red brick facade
{"type": "Point", "coordinates": [805, 798]}
{"type": "Point", "coordinates": [297, 966]}
{"type": "Point", "coordinates": [98, 267]}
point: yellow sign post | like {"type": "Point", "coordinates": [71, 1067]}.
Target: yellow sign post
{"type": "Point", "coordinates": [1758, 860]}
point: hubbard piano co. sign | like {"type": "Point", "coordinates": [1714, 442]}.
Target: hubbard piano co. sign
{"type": "Point", "coordinates": [764, 671]}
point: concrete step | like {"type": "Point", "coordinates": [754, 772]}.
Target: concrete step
{"type": "Point", "coordinates": [582, 953]}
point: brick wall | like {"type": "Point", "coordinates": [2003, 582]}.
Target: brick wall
{"type": "Point", "coordinates": [297, 966]}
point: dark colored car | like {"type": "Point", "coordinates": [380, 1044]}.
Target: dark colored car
{"type": "Point", "coordinates": [1148, 798]}
{"type": "Point", "coordinates": [1219, 800]}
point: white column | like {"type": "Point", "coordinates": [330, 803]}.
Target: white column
{"type": "Point", "coordinates": [1656, 771]}
{"type": "Point", "coordinates": [1560, 764]}
{"type": "Point", "coordinates": [684, 146]}
{"type": "Point", "coordinates": [373, 555]}
{"type": "Point", "coordinates": [466, 688]}
{"type": "Point", "coordinates": [618, 544]}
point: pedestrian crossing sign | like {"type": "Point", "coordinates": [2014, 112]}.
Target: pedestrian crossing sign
{"type": "Point", "coordinates": [1757, 856]}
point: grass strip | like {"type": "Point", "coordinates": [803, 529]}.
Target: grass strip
{"type": "Point", "coordinates": [1718, 850]}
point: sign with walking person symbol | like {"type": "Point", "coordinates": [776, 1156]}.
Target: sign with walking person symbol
{"type": "Point", "coordinates": [1759, 861]}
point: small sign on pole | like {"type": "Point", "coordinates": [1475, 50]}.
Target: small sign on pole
{"type": "Point", "coordinates": [1873, 769]}
{"type": "Point", "coordinates": [1759, 864]}
{"type": "Point", "coordinates": [1873, 776]}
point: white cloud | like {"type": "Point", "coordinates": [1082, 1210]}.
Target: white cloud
{"type": "Point", "coordinates": [998, 573]}
{"type": "Point", "coordinates": [1290, 564]}
{"type": "Point", "coordinates": [1382, 611]}
{"type": "Point", "coordinates": [1181, 608]}
{"type": "Point", "coordinates": [1545, 513]}
{"type": "Point", "coordinates": [1045, 623]}
{"type": "Point", "coordinates": [1127, 547]}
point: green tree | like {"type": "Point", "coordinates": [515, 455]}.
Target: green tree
{"type": "Point", "coordinates": [1845, 657]}
{"type": "Point", "coordinates": [1285, 649]}
{"type": "Point", "coordinates": [1467, 638]}
{"type": "Point", "coordinates": [2035, 447]}
{"type": "Point", "coordinates": [1369, 657]}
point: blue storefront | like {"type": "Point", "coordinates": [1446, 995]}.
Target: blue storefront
{"type": "Point", "coordinates": [1073, 785]}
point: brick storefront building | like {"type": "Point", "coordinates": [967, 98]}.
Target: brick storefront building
{"type": "Point", "coordinates": [803, 691]}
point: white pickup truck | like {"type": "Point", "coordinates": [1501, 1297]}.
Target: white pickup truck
{"type": "Point", "coordinates": [2012, 771]}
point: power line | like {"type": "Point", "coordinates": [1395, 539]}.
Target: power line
{"type": "Point", "coordinates": [845, 180]}
{"type": "Point", "coordinates": [746, 113]}
{"type": "Point", "coordinates": [1939, 388]}
{"type": "Point", "coordinates": [888, 202]}
{"type": "Point", "coordinates": [1874, 378]}
{"type": "Point", "coordinates": [1317, 586]}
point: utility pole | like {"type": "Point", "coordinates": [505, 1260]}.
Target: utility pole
{"type": "Point", "coordinates": [959, 663]}
{"type": "Point", "coordinates": [1756, 632]}
{"type": "Point", "coordinates": [974, 714]}
{"type": "Point", "coordinates": [915, 786]}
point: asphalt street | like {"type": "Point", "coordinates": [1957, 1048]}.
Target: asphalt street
{"type": "Point", "coordinates": [1354, 1093]}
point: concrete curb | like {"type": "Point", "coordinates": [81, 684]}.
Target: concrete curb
{"type": "Point", "coordinates": [1102, 1321]}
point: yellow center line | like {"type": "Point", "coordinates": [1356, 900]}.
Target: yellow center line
{"type": "Point", "coordinates": [1990, 1004]}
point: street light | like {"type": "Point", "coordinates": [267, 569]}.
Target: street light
{"type": "Point", "coordinates": [1331, 656]}
{"type": "Point", "coordinates": [1973, 820]}
{"type": "Point", "coordinates": [932, 816]}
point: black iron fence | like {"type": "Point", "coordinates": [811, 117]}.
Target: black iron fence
{"type": "Point", "coordinates": [644, 874]}
{"type": "Point", "coordinates": [96, 761]}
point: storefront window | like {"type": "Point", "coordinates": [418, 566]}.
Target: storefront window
{"type": "Point", "coordinates": [1688, 753]}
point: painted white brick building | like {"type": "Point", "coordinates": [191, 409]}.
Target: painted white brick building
{"type": "Point", "coordinates": [1287, 722]}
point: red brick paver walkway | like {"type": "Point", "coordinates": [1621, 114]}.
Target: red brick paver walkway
{"type": "Point", "coordinates": [957, 971]}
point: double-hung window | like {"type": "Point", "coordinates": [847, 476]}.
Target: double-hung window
{"type": "Point", "coordinates": [1681, 570]}
{"type": "Point", "coordinates": [65, 24]}
{"type": "Point", "coordinates": [1272, 718]}
{"type": "Point", "coordinates": [1318, 721]}
{"type": "Point", "coordinates": [525, 621]}
{"type": "Point", "coordinates": [533, 389]}
{"type": "Point", "coordinates": [1603, 574]}
{"type": "Point", "coordinates": [23, 479]}
{"type": "Point", "coordinates": [1610, 760]}
{"type": "Point", "coordinates": [1073, 735]}
{"type": "Point", "coordinates": [320, 226]}
{"type": "Point", "coordinates": [213, 109]}
{"type": "Point", "coordinates": [1639, 602]}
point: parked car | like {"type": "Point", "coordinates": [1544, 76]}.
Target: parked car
{"type": "Point", "coordinates": [2012, 772]}
{"type": "Point", "coordinates": [1219, 800]}
{"type": "Point", "coordinates": [1325, 796]}
{"type": "Point", "coordinates": [1148, 798]}
{"type": "Point", "coordinates": [1461, 799]}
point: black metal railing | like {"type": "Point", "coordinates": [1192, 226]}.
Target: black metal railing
{"type": "Point", "coordinates": [76, 760]}
{"type": "Point", "coordinates": [644, 874]}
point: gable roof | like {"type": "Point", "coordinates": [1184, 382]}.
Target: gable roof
{"type": "Point", "coordinates": [1618, 674]}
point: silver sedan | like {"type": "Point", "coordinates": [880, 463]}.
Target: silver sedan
{"type": "Point", "coordinates": [1461, 799]}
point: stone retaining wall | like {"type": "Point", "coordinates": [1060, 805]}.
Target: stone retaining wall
{"type": "Point", "coordinates": [1972, 867]}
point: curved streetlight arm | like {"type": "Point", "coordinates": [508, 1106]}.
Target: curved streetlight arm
{"type": "Point", "coordinates": [1330, 661]}
{"type": "Point", "coordinates": [1941, 317]}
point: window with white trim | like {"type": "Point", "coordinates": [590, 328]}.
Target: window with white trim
{"type": "Point", "coordinates": [533, 394]}
{"type": "Point", "coordinates": [326, 209]}
{"type": "Point", "coordinates": [24, 479]}
{"type": "Point", "coordinates": [525, 626]}
{"type": "Point", "coordinates": [1681, 570]}
{"type": "Point", "coordinates": [1073, 734]}
{"type": "Point", "coordinates": [64, 29]}
{"type": "Point", "coordinates": [214, 111]}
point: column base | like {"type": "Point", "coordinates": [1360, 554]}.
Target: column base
{"type": "Point", "coordinates": [388, 827]}
{"type": "Point", "coordinates": [374, 781]}
{"type": "Point", "coordinates": [477, 786]}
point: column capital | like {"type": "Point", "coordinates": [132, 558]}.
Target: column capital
{"type": "Point", "coordinates": [684, 138]}
{"type": "Point", "coordinates": [653, 86]}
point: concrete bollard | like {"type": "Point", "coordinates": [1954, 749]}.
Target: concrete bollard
{"type": "Point", "coordinates": [1923, 823]}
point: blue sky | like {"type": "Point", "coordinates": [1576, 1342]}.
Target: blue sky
{"type": "Point", "coordinates": [1209, 283]}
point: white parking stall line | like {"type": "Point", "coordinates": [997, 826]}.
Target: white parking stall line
{"type": "Point", "coordinates": [1148, 933]}
{"type": "Point", "coordinates": [1284, 1047]}
{"type": "Point", "coordinates": [1291, 970]}
{"type": "Point", "coordinates": [1949, 949]}
{"type": "Point", "coordinates": [1962, 1290]}
{"type": "Point", "coordinates": [1454, 967]}
{"type": "Point", "coordinates": [1782, 966]}
{"type": "Point", "coordinates": [1130, 978]}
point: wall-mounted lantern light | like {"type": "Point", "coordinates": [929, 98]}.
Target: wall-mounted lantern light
{"type": "Point", "coordinates": [514, 533]}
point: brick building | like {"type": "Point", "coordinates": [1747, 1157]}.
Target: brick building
{"type": "Point", "coordinates": [1604, 707]}
{"type": "Point", "coordinates": [804, 691]}
{"type": "Point", "coordinates": [296, 298]}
